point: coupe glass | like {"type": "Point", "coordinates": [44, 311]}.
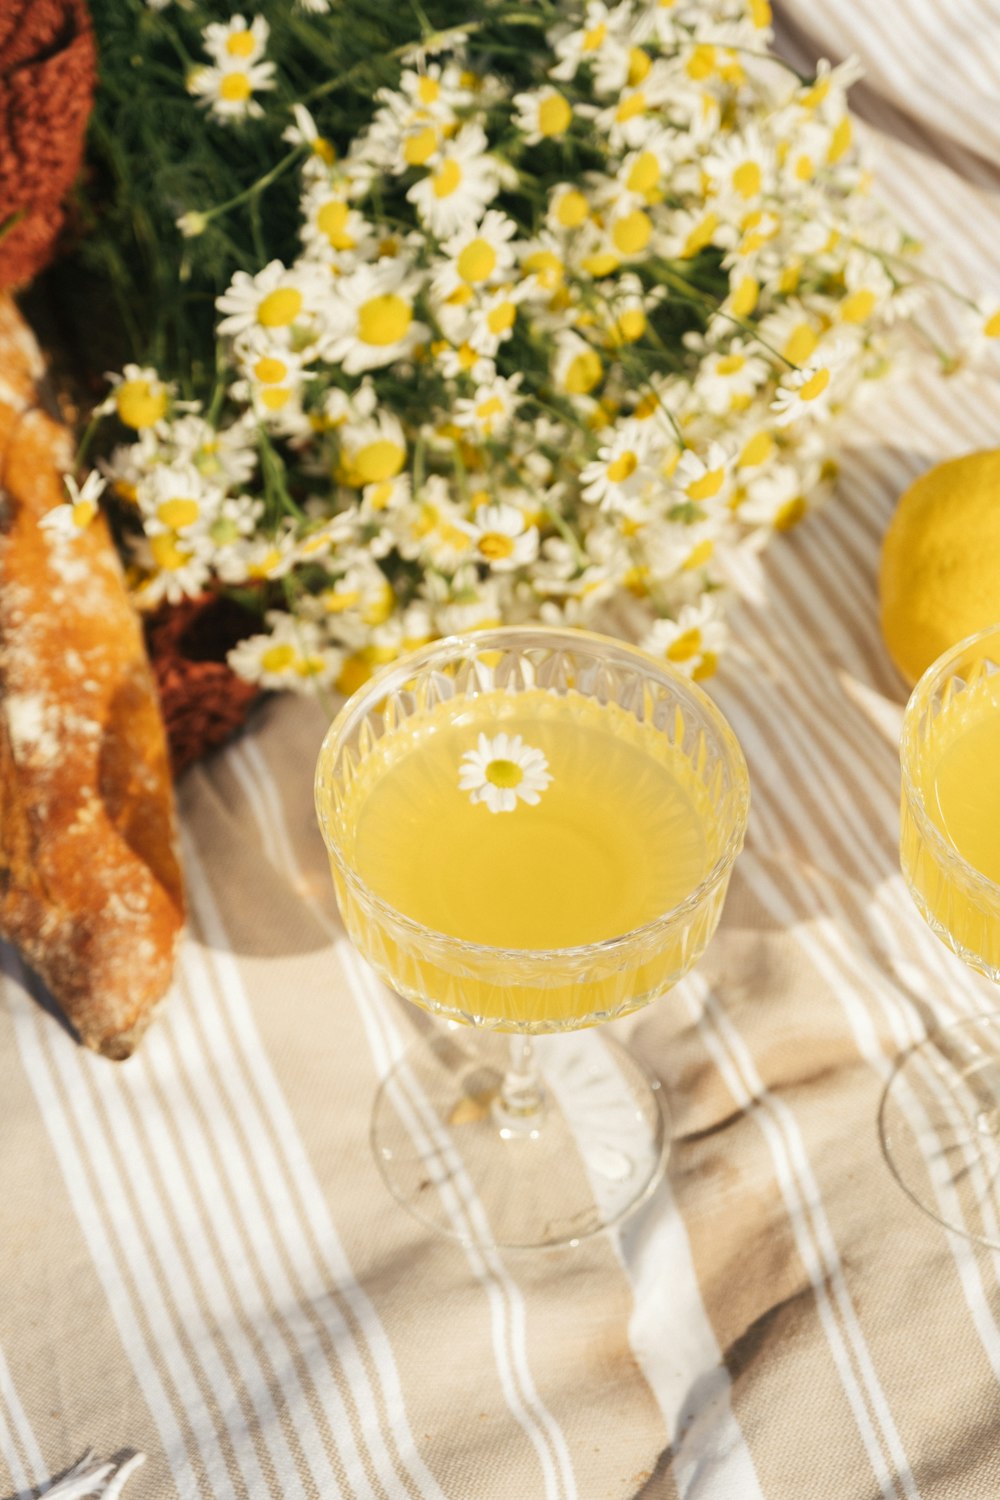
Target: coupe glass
{"type": "Point", "coordinates": [940, 1114]}
{"type": "Point", "coordinates": [489, 1129]}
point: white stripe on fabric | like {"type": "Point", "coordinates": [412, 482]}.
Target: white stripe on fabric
{"type": "Point", "coordinates": [837, 967]}
{"type": "Point", "coordinates": [184, 1096]}
{"type": "Point", "coordinates": [129, 1304]}
{"type": "Point", "coordinates": [813, 1235]}
{"type": "Point", "coordinates": [675, 1343]}
{"type": "Point", "coordinates": [506, 1302]}
{"type": "Point", "coordinates": [278, 1152]}
{"type": "Point", "coordinates": [25, 1449]}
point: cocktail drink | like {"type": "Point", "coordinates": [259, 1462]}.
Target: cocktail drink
{"type": "Point", "coordinates": [941, 1115]}
{"type": "Point", "coordinates": [529, 831]}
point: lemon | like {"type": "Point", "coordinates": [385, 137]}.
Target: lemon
{"type": "Point", "coordinates": [939, 579]}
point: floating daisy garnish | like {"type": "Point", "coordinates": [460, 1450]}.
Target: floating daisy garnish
{"type": "Point", "coordinates": [501, 770]}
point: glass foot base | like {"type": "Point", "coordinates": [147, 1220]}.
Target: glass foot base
{"type": "Point", "coordinates": [467, 1167]}
{"type": "Point", "coordinates": [940, 1127]}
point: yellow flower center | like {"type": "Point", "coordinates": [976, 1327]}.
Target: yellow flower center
{"type": "Point", "coordinates": [686, 645]}
{"type": "Point", "coordinates": [384, 320]}
{"type": "Point", "coordinates": [140, 403]}
{"type": "Point", "coordinates": [337, 600]}
{"type": "Point", "coordinates": [235, 88]}
{"type": "Point", "coordinates": [859, 306]}
{"type": "Point", "coordinates": [420, 147]}
{"type": "Point", "coordinates": [800, 344]}
{"type": "Point", "coordinates": [789, 514]}
{"type": "Point", "coordinates": [280, 307]}
{"type": "Point", "coordinates": [269, 370]}
{"type": "Point", "coordinates": [707, 486]}
{"type": "Point", "coordinates": [744, 298]}
{"type": "Point", "coordinates": [275, 397]}
{"type": "Point", "coordinates": [501, 317]}
{"type": "Point", "coordinates": [83, 513]}
{"type": "Point", "coordinates": [601, 263]}
{"type": "Point", "coordinates": [747, 179]}
{"type": "Point", "coordinates": [991, 328]}
{"type": "Point", "coordinates": [639, 64]}
{"type": "Point", "coordinates": [166, 553]}
{"type": "Point", "coordinates": [265, 566]}
{"type": "Point", "coordinates": [706, 667]}
{"type": "Point", "coordinates": [788, 280]}
{"type": "Point", "coordinates": [815, 385]}
{"type": "Point", "coordinates": [757, 451]}
{"type": "Point", "coordinates": [594, 36]}
{"type": "Point", "coordinates": [240, 44]}
{"type": "Point", "coordinates": [700, 554]}
{"type": "Point", "coordinates": [631, 233]}
{"type": "Point", "coordinates": [332, 221]}
{"type": "Point", "coordinates": [582, 373]}
{"type": "Point", "coordinates": [428, 90]}
{"type": "Point", "coordinates": [495, 545]}
{"type": "Point", "coordinates": [629, 327]}
{"type": "Point", "coordinates": [447, 179]}
{"type": "Point", "coordinates": [760, 13]}
{"type": "Point", "coordinates": [572, 209]}
{"type": "Point", "coordinates": [643, 174]}
{"type": "Point", "coordinates": [488, 409]}
{"type": "Point", "coordinates": [378, 461]}
{"type": "Point", "coordinates": [554, 115]}
{"type": "Point", "coordinates": [324, 149]}
{"type": "Point", "coordinates": [804, 168]}
{"type": "Point", "coordinates": [729, 364]}
{"type": "Point", "coordinates": [840, 140]}
{"type": "Point", "coordinates": [700, 235]}
{"type": "Point", "coordinates": [178, 512]}
{"type": "Point", "coordinates": [278, 658]}
{"type": "Point", "coordinates": [504, 773]}
{"type": "Point", "coordinates": [546, 266]}
{"type": "Point", "coordinates": [701, 63]}
{"type": "Point", "coordinates": [631, 106]}
{"type": "Point", "coordinates": [477, 261]}
{"type": "Point", "coordinates": [623, 467]}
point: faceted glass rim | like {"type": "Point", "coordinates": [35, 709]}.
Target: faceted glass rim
{"type": "Point", "coordinates": [454, 648]}
{"type": "Point", "coordinates": [918, 704]}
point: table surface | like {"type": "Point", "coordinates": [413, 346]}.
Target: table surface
{"type": "Point", "coordinates": [199, 1259]}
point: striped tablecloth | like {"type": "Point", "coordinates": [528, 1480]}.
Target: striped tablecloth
{"type": "Point", "coordinates": [198, 1259]}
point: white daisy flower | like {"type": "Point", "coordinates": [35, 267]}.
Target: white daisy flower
{"type": "Point", "coordinates": [75, 514]}
{"type": "Point", "coordinates": [371, 317]}
{"type": "Point", "coordinates": [621, 469]}
{"type": "Point", "coordinates": [174, 569]}
{"type": "Point", "coordinates": [502, 537]}
{"type": "Point", "coordinates": [701, 479]}
{"type": "Point", "coordinates": [176, 498]}
{"type": "Point", "coordinates": [139, 398]}
{"type": "Point", "coordinates": [502, 771]}
{"type": "Point", "coordinates": [371, 451]}
{"type": "Point", "coordinates": [463, 181]}
{"type": "Point", "coordinates": [692, 642]}
{"type": "Point", "coordinates": [293, 655]}
{"type": "Point", "coordinates": [304, 131]}
{"type": "Point", "coordinates": [490, 411]}
{"type": "Point", "coordinates": [596, 40]}
{"type": "Point", "coordinates": [810, 391]}
{"type": "Point", "coordinates": [478, 255]}
{"type": "Point", "coordinates": [333, 231]}
{"type": "Point", "coordinates": [234, 43]}
{"type": "Point", "coordinates": [228, 91]}
{"type": "Point", "coordinates": [542, 114]}
{"type": "Point", "coordinates": [492, 319]}
{"type": "Point", "coordinates": [273, 375]}
{"type": "Point", "coordinates": [740, 168]}
{"type": "Point", "coordinates": [282, 300]}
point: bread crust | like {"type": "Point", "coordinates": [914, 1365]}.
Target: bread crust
{"type": "Point", "coordinates": [91, 889]}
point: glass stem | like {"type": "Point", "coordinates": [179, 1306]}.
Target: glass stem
{"type": "Point", "coordinates": [520, 1105]}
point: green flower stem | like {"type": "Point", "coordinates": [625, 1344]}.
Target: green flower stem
{"type": "Point", "coordinates": [258, 186]}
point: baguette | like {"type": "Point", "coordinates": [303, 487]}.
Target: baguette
{"type": "Point", "coordinates": [91, 890]}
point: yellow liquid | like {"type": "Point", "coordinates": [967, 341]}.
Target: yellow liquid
{"type": "Point", "coordinates": [962, 794]}
{"type": "Point", "coordinates": [622, 834]}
